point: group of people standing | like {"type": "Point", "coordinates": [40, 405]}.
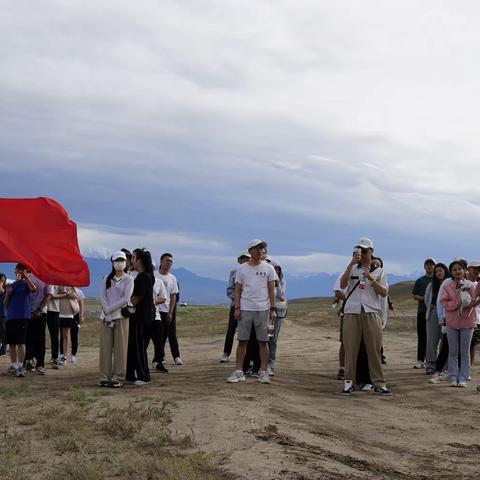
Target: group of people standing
{"type": "Point", "coordinates": [448, 319]}
{"type": "Point", "coordinates": [27, 307]}
{"type": "Point", "coordinates": [138, 305]}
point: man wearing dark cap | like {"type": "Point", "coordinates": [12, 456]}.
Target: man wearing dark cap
{"type": "Point", "coordinates": [418, 293]}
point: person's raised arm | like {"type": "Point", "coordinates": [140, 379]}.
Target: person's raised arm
{"type": "Point", "coordinates": [346, 275]}
{"type": "Point", "coordinates": [30, 284]}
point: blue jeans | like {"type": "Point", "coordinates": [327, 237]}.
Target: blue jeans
{"type": "Point", "coordinates": [272, 343]}
{"type": "Point", "coordinates": [459, 340]}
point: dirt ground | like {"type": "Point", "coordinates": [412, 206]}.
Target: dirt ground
{"type": "Point", "coordinates": [299, 427]}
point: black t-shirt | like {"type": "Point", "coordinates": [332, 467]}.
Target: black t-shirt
{"type": "Point", "coordinates": [143, 288]}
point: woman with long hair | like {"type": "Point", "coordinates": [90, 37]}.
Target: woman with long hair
{"type": "Point", "coordinates": [68, 308]}
{"type": "Point", "coordinates": [458, 298]}
{"type": "Point", "coordinates": [142, 299]}
{"type": "Point", "coordinates": [116, 291]}
{"type": "Point", "coordinates": [433, 326]}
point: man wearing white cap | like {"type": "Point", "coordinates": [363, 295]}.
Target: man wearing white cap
{"type": "Point", "coordinates": [365, 286]}
{"type": "Point", "coordinates": [232, 321]}
{"type": "Point", "coordinates": [254, 305]}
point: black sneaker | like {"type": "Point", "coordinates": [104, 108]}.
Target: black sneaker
{"type": "Point", "coordinates": [348, 389]}
{"type": "Point", "coordinates": [161, 368]}
{"type": "Point", "coordinates": [382, 391]}
{"type": "Point", "coordinates": [29, 366]}
{"type": "Point", "coordinates": [116, 384]}
{"type": "Point", "coordinates": [341, 374]}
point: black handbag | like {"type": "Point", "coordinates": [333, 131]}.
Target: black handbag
{"type": "Point", "coordinates": [128, 311]}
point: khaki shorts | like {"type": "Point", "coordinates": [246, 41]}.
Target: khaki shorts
{"type": "Point", "coordinates": [258, 319]}
{"type": "Point", "coordinates": [341, 328]}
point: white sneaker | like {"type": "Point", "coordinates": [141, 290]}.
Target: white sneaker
{"type": "Point", "coordinates": [462, 383]}
{"type": "Point", "coordinates": [443, 377]}
{"type": "Point", "coordinates": [367, 387]}
{"type": "Point", "coordinates": [178, 361]}
{"type": "Point", "coordinates": [453, 383]}
{"type": "Point", "coordinates": [435, 378]}
{"type": "Point", "coordinates": [73, 359]}
{"type": "Point", "coordinates": [270, 372]}
{"type": "Point", "coordinates": [236, 376]}
{"type": "Point", "coordinates": [419, 365]}
{"type": "Point", "coordinates": [225, 358]}
{"type": "Point", "coordinates": [263, 377]}
{"type": "Point", "coordinates": [139, 382]}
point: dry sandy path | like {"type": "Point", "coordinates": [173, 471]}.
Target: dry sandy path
{"type": "Point", "coordinates": [300, 427]}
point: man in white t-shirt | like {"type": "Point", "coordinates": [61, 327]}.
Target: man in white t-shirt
{"type": "Point", "coordinates": [254, 305]}
{"type": "Point", "coordinates": [168, 308]}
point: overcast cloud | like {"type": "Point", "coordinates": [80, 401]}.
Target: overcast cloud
{"type": "Point", "coordinates": [196, 126]}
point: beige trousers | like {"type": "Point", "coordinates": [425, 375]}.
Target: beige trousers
{"type": "Point", "coordinates": [113, 341]}
{"type": "Point", "coordinates": [368, 325]}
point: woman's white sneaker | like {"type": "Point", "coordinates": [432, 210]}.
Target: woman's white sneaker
{"type": "Point", "coordinates": [236, 376]}
{"type": "Point", "coordinates": [263, 377]}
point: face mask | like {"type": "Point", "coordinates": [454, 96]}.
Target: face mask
{"type": "Point", "coordinates": [119, 266]}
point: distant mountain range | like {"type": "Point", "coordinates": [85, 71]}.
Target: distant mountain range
{"type": "Point", "coordinates": [203, 290]}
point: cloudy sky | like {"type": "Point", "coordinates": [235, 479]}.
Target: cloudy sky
{"type": "Point", "coordinates": [195, 126]}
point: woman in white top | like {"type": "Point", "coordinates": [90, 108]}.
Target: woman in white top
{"type": "Point", "coordinates": [68, 308]}
{"type": "Point", "coordinates": [116, 290]}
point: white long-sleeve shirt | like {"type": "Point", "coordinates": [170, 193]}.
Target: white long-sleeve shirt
{"type": "Point", "coordinates": [115, 297]}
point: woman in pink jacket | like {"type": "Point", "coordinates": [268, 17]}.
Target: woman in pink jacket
{"type": "Point", "coordinates": [458, 298]}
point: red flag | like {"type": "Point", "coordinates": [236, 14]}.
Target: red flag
{"type": "Point", "coordinates": [38, 233]}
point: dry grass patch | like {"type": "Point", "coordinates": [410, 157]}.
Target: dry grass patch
{"type": "Point", "coordinates": [125, 422]}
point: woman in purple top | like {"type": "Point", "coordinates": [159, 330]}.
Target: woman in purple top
{"type": "Point", "coordinates": [17, 303]}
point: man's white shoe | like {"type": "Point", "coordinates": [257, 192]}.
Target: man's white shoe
{"type": "Point", "coordinates": [419, 365]}
{"type": "Point", "coordinates": [263, 377]}
{"type": "Point", "coordinates": [73, 359]}
{"type": "Point", "coordinates": [178, 361]}
{"type": "Point", "coordinates": [154, 364]}
{"type": "Point", "coordinates": [139, 382]}
{"type": "Point", "coordinates": [435, 378]}
{"type": "Point", "coordinates": [270, 372]}
{"type": "Point", "coordinates": [225, 358]}
{"type": "Point", "coordinates": [236, 376]}
{"type": "Point", "coordinates": [462, 383]}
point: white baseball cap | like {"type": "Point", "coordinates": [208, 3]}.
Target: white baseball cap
{"type": "Point", "coordinates": [474, 264]}
{"type": "Point", "coordinates": [117, 255]}
{"type": "Point", "coordinates": [245, 253]}
{"type": "Point", "coordinates": [255, 243]}
{"type": "Point", "coordinates": [364, 243]}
